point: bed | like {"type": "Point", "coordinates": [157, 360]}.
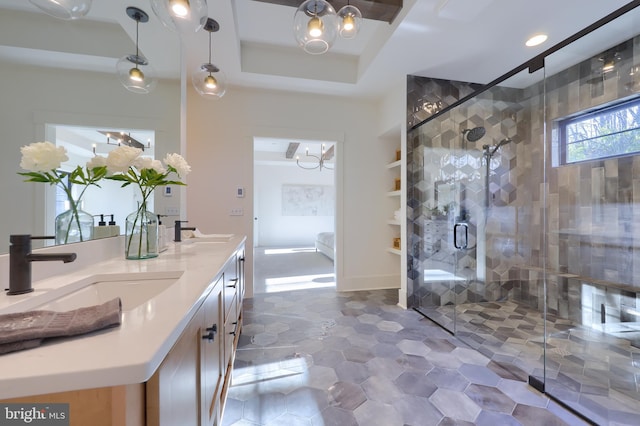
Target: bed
{"type": "Point", "coordinates": [325, 244]}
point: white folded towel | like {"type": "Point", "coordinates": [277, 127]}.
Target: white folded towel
{"type": "Point", "coordinates": [198, 234]}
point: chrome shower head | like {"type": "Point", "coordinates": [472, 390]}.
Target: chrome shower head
{"type": "Point", "coordinates": [475, 134]}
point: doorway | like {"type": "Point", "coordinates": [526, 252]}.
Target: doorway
{"type": "Point", "coordinates": [294, 214]}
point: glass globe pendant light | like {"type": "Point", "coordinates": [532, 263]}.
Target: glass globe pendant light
{"type": "Point", "coordinates": [134, 71]}
{"type": "Point", "coordinates": [208, 80]}
{"type": "Point", "coordinates": [350, 19]}
{"type": "Point", "coordinates": [64, 9]}
{"type": "Point", "coordinates": [315, 26]}
{"type": "Point", "coordinates": [183, 16]}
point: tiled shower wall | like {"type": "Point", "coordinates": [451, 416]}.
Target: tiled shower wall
{"type": "Point", "coordinates": [592, 245]}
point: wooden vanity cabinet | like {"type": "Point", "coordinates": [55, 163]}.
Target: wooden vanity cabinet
{"type": "Point", "coordinates": [234, 285]}
{"type": "Point", "coordinates": [190, 386]}
{"type": "Point", "coordinates": [185, 388]}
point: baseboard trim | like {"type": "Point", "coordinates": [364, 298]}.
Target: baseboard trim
{"type": "Point", "coordinates": [368, 283]}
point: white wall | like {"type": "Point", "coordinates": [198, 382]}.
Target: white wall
{"type": "Point", "coordinates": [275, 229]}
{"type": "Point", "coordinates": [34, 96]}
{"type": "Point", "coordinates": [393, 135]}
{"type": "Point", "coordinates": [220, 150]}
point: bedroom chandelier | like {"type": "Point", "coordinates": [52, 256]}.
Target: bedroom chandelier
{"type": "Point", "coordinates": [321, 159]}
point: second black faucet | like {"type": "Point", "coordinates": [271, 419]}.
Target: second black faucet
{"type": "Point", "coordinates": [178, 230]}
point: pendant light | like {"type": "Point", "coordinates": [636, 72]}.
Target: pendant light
{"type": "Point", "coordinates": [134, 71]}
{"type": "Point", "coordinates": [315, 26]}
{"type": "Point", "coordinates": [350, 20]}
{"type": "Point", "coordinates": [183, 16]}
{"type": "Point", "coordinates": [208, 80]}
{"type": "Point", "coordinates": [64, 9]}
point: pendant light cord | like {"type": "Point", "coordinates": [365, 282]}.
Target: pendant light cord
{"type": "Point", "coordinates": [209, 47]}
{"type": "Point", "coordinates": [137, 55]}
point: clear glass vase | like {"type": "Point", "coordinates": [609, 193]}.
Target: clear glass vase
{"type": "Point", "coordinates": [73, 226]}
{"type": "Point", "coordinates": [141, 235]}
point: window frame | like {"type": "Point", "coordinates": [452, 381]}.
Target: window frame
{"type": "Point", "coordinates": [587, 114]}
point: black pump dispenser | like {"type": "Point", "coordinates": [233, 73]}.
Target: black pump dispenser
{"type": "Point", "coordinates": [102, 222]}
{"type": "Point", "coordinates": [112, 222]}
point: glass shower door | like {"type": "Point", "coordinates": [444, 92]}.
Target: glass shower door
{"type": "Point", "coordinates": [438, 233]}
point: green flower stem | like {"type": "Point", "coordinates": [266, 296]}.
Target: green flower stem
{"type": "Point", "coordinates": [146, 192]}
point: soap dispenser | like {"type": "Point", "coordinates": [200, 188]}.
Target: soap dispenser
{"type": "Point", "coordinates": [101, 230]}
{"type": "Point", "coordinates": [114, 230]}
{"type": "Point", "coordinates": [162, 234]}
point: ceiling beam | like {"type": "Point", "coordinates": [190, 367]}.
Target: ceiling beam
{"type": "Point", "coordinates": [380, 10]}
{"type": "Point", "coordinates": [291, 149]}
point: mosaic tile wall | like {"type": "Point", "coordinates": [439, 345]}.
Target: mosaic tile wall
{"type": "Point", "coordinates": [427, 96]}
{"type": "Point", "coordinates": [591, 208]}
{"type": "Point", "coordinates": [438, 155]}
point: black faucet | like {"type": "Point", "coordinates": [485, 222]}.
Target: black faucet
{"type": "Point", "coordinates": [20, 258]}
{"type": "Point", "coordinates": [178, 230]}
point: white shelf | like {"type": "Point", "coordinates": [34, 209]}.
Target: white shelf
{"type": "Point", "coordinates": [393, 193]}
{"type": "Point", "coordinates": [394, 164]}
{"type": "Point", "coordinates": [394, 251]}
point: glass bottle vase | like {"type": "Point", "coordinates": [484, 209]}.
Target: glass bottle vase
{"type": "Point", "coordinates": [141, 235]}
{"type": "Point", "coordinates": [73, 226]}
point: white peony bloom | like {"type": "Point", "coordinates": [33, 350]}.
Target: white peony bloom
{"type": "Point", "coordinates": [42, 157]}
{"type": "Point", "coordinates": [149, 163]}
{"type": "Point", "coordinates": [177, 162]}
{"type": "Point", "coordinates": [97, 161]}
{"type": "Point", "coordinates": [120, 159]}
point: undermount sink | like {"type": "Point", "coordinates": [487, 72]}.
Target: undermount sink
{"type": "Point", "coordinates": [133, 289]}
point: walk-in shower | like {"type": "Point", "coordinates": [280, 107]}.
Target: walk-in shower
{"type": "Point", "coordinates": [535, 261]}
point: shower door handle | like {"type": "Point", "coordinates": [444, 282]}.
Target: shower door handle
{"type": "Point", "coordinates": [465, 237]}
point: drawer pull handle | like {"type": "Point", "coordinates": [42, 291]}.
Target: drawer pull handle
{"type": "Point", "coordinates": [212, 332]}
{"type": "Point", "coordinates": [235, 283]}
{"type": "Point", "coordinates": [235, 329]}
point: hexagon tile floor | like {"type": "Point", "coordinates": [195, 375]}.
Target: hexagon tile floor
{"type": "Point", "coordinates": [322, 358]}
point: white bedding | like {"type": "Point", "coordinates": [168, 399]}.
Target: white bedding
{"type": "Point", "coordinates": [325, 243]}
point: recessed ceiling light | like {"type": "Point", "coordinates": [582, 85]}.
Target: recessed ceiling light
{"type": "Point", "coordinates": [536, 40]}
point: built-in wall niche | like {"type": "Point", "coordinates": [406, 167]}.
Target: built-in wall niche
{"type": "Point", "coordinates": [109, 200]}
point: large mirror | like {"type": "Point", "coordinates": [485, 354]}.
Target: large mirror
{"type": "Point", "coordinates": [61, 75]}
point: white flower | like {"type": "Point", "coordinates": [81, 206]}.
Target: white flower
{"type": "Point", "coordinates": [149, 163]}
{"type": "Point", "coordinates": [42, 157]}
{"type": "Point", "coordinates": [177, 162]}
{"type": "Point", "coordinates": [97, 161]}
{"type": "Point", "coordinates": [122, 158]}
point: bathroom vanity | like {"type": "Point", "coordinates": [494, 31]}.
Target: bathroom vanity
{"type": "Point", "coordinates": [170, 360]}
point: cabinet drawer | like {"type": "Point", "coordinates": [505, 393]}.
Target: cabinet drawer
{"type": "Point", "coordinates": [231, 329]}
{"type": "Point", "coordinates": [230, 297]}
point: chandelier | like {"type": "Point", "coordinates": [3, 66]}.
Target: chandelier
{"type": "Point", "coordinates": [321, 159]}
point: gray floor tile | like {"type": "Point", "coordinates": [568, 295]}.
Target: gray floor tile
{"type": "Point", "coordinates": [299, 366]}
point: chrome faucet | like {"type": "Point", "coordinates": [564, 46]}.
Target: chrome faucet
{"type": "Point", "coordinates": [20, 258]}
{"type": "Point", "coordinates": [178, 230]}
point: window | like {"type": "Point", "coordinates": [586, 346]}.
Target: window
{"type": "Point", "coordinates": [609, 132]}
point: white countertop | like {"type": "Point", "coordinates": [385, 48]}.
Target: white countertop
{"type": "Point", "coordinates": [127, 354]}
